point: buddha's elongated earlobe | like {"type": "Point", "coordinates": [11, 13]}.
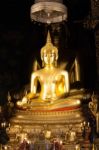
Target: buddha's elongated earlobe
{"type": "Point", "coordinates": [55, 63]}
{"type": "Point", "coordinates": [42, 63]}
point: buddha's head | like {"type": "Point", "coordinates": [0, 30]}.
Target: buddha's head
{"type": "Point", "coordinates": [49, 53]}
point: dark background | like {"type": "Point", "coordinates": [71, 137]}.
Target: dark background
{"type": "Point", "coordinates": [21, 40]}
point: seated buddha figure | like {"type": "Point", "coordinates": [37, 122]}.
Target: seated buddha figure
{"type": "Point", "coordinates": [54, 81]}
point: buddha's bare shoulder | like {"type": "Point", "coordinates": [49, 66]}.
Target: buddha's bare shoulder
{"type": "Point", "coordinates": [61, 71]}
{"type": "Point", "coordinates": [38, 72]}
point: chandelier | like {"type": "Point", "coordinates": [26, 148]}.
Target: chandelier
{"type": "Point", "coordinates": [48, 11]}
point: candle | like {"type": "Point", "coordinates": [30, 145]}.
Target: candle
{"type": "Point", "coordinates": [84, 123]}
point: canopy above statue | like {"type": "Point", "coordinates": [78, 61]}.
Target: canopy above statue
{"type": "Point", "coordinates": [46, 11]}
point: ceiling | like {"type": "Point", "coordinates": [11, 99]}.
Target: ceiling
{"type": "Point", "coordinates": [14, 13]}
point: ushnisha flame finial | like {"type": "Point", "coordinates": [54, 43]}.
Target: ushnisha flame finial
{"type": "Point", "coordinates": [48, 38]}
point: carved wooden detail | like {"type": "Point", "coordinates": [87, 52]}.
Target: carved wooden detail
{"type": "Point", "coordinates": [95, 8]}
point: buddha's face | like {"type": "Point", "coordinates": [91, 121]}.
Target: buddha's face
{"type": "Point", "coordinates": [49, 58]}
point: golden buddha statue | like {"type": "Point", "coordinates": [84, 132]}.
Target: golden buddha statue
{"type": "Point", "coordinates": [52, 109]}
{"type": "Point", "coordinates": [54, 83]}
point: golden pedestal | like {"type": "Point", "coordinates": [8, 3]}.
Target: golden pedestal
{"type": "Point", "coordinates": [63, 124]}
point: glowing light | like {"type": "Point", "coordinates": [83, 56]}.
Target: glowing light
{"type": "Point", "coordinates": [61, 142]}
{"type": "Point", "coordinates": [48, 134]}
{"type": "Point", "coordinates": [78, 101]}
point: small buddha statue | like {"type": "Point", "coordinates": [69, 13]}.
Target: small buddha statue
{"type": "Point", "coordinates": [54, 81]}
